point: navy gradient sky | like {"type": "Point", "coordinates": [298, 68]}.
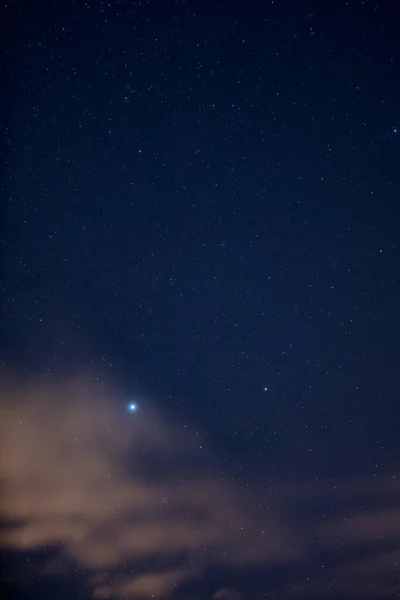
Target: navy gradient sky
{"type": "Point", "coordinates": [202, 216]}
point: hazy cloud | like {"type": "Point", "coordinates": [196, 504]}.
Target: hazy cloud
{"type": "Point", "coordinates": [136, 504]}
{"type": "Point", "coordinates": [80, 472]}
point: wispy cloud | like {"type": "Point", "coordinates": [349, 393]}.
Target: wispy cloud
{"type": "Point", "coordinates": [113, 491]}
{"type": "Point", "coordinates": [138, 506]}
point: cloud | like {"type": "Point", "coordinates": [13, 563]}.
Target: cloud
{"type": "Point", "coordinates": [353, 532]}
{"type": "Point", "coordinates": [112, 491]}
{"type": "Point", "coordinates": [136, 504]}
{"type": "Point", "coordinates": [227, 594]}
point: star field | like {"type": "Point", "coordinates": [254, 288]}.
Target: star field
{"type": "Point", "coordinates": [202, 212]}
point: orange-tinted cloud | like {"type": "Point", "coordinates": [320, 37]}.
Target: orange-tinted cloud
{"type": "Point", "coordinates": [80, 472]}
{"type": "Point", "coordinates": [137, 505]}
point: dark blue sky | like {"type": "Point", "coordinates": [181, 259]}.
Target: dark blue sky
{"type": "Point", "coordinates": [202, 201]}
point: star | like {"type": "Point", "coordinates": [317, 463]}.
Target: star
{"type": "Point", "coordinates": [132, 407]}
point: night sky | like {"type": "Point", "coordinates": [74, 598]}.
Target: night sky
{"type": "Point", "coordinates": [200, 299]}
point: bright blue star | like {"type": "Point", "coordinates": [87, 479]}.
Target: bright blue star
{"type": "Point", "coordinates": [132, 407]}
